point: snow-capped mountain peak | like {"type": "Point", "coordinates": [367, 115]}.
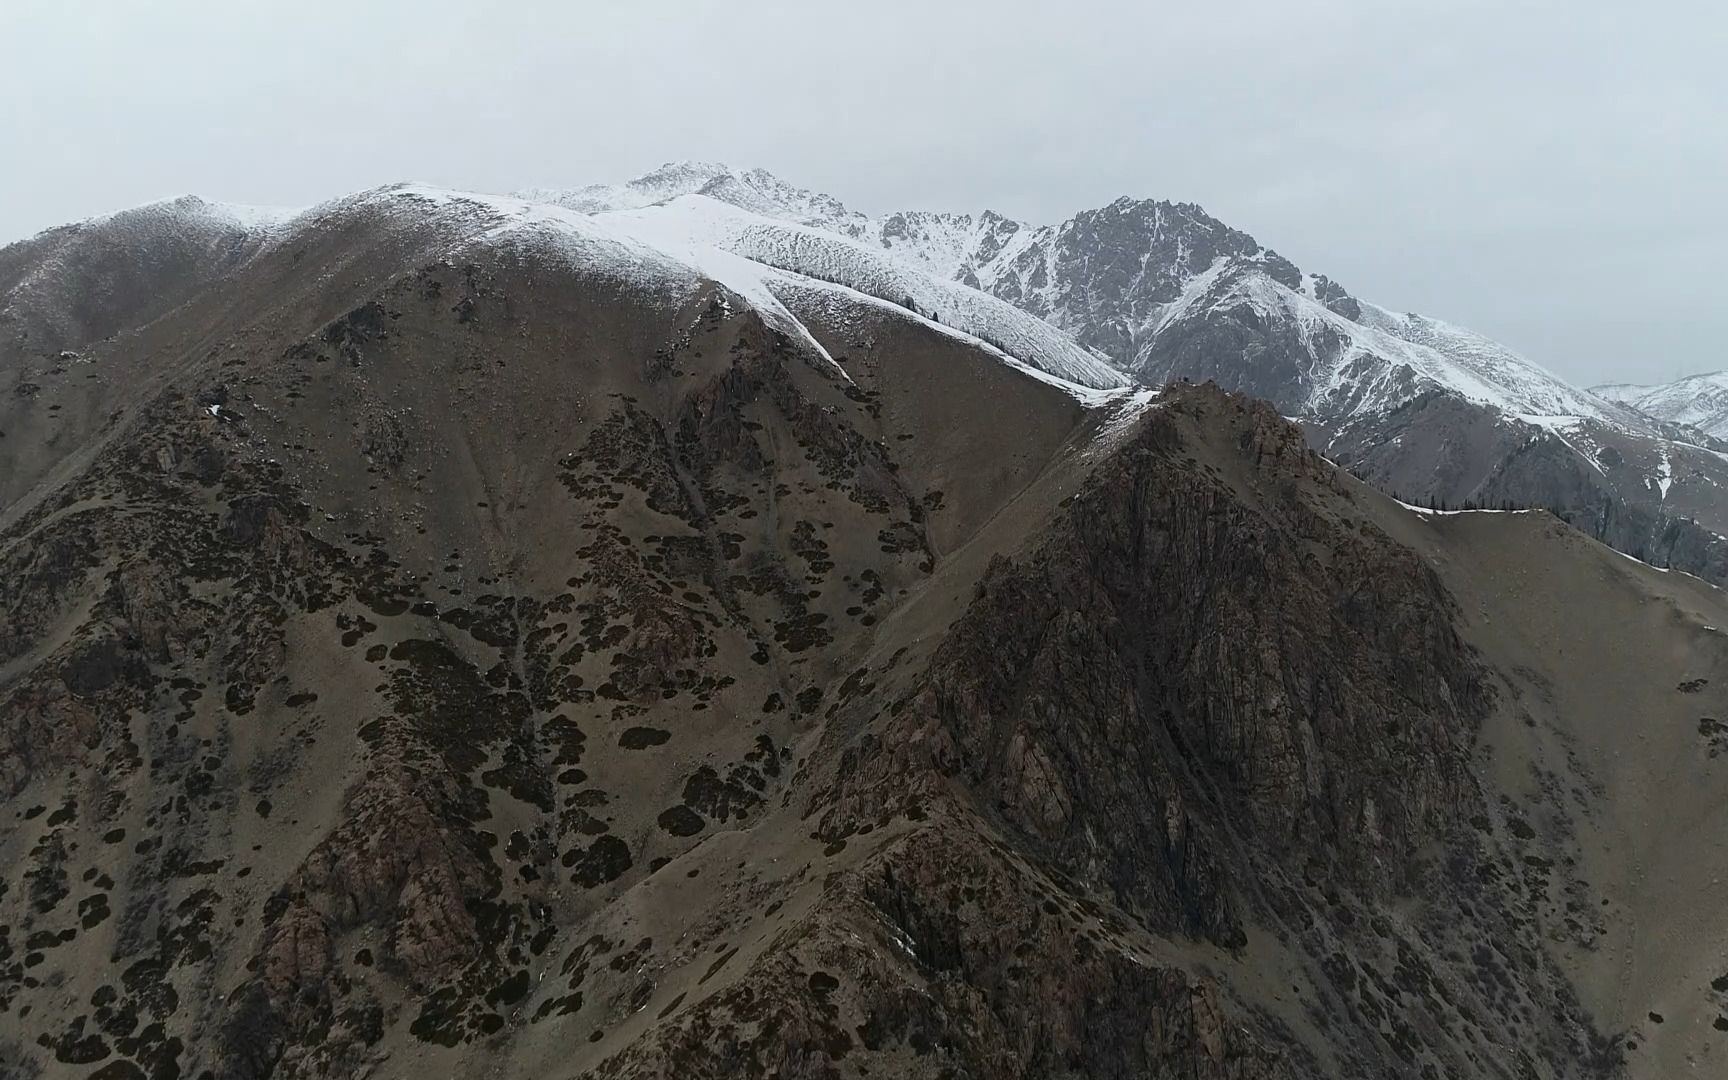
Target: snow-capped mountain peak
{"type": "Point", "coordinates": [803, 257]}
{"type": "Point", "coordinates": [1133, 281]}
{"type": "Point", "coordinates": [1155, 288]}
{"type": "Point", "coordinates": [756, 190]}
{"type": "Point", "coordinates": [1137, 290]}
{"type": "Point", "coordinates": [1699, 401]}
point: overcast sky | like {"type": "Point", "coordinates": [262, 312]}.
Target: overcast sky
{"type": "Point", "coordinates": [1551, 174]}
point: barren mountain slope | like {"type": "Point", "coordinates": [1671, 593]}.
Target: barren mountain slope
{"type": "Point", "coordinates": [1607, 757]}
{"type": "Point", "coordinates": [465, 646]}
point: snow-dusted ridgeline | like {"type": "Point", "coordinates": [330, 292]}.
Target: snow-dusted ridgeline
{"type": "Point", "coordinates": [1366, 358]}
{"type": "Point", "coordinates": [1018, 289]}
{"type": "Point", "coordinates": [1699, 401]}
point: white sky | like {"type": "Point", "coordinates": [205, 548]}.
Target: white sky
{"type": "Point", "coordinates": [1551, 174]}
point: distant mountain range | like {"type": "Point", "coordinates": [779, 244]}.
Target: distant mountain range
{"type": "Point", "coordinates": [1139, 291]}
{"type": "Point", "coordinates": [1163, 292]}
{"type": "Point", "coordinates": [1699, 401]}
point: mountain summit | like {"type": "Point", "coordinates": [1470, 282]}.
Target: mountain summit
{"type": "Point", "coordinates": [1119, 277]}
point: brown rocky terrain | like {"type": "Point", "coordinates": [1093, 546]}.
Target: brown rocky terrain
{"type": "Point", "coordinates": [427, 656]}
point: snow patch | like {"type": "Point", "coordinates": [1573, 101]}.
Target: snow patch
{"type": "Point", "coordinates": [695, 224]}
{"type": "Point", "coordinates": [1426, 511]}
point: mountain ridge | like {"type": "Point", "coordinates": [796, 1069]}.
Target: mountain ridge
{"type": "Point", "coordinates": [1005, 257]}
{"type": "Point", "coordinates": [1137, 291]}
{"type": "Point", "coordinates": [1416, 405]}
{"type": "Point", "coordinates": [1699, 401]}
{"type": "Point", "coordinates": [1007, 266]}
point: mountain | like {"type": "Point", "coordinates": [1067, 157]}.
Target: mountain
{"type": "Point", "coordinates": [469, 635]}
{"type": "Point", "coordinates": [1164, 292]}
{"type": "Point", "coordinates": [1698, 401]}
{"type": "Point", "coordinates": [78, 283]}
{"type": "Point", "coordinates": [1135, 291]}
{"type": "Point", "coordinates": [1135, 281]}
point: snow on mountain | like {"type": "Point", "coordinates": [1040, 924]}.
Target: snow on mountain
{"type": "Point", "coordinates": [670, 247]}
{"type": "Point", "coordinates": [1156, 289]}
{"type": "Point", "coordinates": [154, 229]}
{"type": "Point", "coordinates": [189, 213]}
{"type": "Point", "coordinates": [654, 233]}
{"type": "Point", "coordinates": [1122, 287]}
{"type": "Point", "coordinates": [673, 265]}
{"type": "Point", "coordinates": [1288, 345]}
{"type": "Point", "coordinates": [918, 259]}
{"type": "Point", "coordinates": [940, 243]}
{"type": "Point", "coordinates": [1699, 401]}
{"type": "Point", "coordinates": [766, 259]}
{"type": "Point", "coordinates": [1116, 280]}
{"type": "Point", "coordinates": [250, 218]}
{"type": "Point", "coordinates": [756, 190]}
{"type": "Point", "coordinates": [81, 282]}
{"type": "Point", "coordinates": [1488, 372]}
{"type": "Point", "coordinates": [460, 219]}
{"type": "Point", "coordinates": [698, 226]}
{"type": "Point", "coordinates": [960, 247]}
{"type": "Point", "coordinates": [1166, 292]}
{"type": "Point", "coordinates": [1135, 290]}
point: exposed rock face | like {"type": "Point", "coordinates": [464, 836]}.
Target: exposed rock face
{"type": "Point", "coordinates": [1166, 619]}
{"type": "Point", "coordinates": [495, 663]}
{"type": "Point", "coordinates": [1171, 629]}
{"type": "Point", "coordinates": [1209, 673]}
{"type": "Point", "coordinates": [1106, 274]}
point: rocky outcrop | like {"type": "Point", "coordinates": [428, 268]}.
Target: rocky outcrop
{"type": "Point", "coordinates": [1181, 666]}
